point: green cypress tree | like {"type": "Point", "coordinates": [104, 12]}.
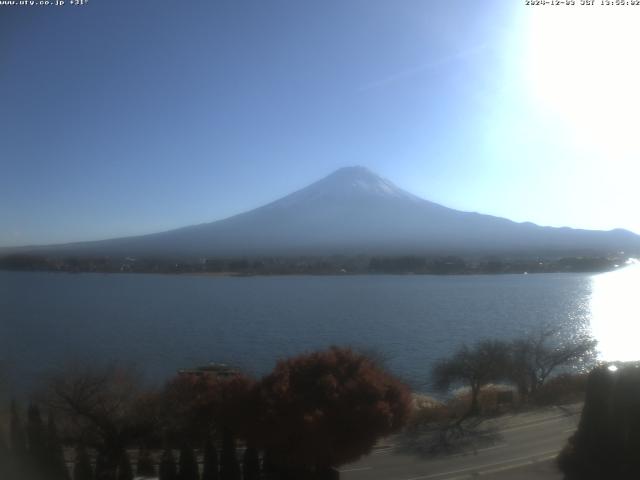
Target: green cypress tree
{"type": "Point", "coordinates": [16, 434]}
{"type": "Point", "coordinates": [229, 468]}
{"type": "Point", "coordinates": [4, 449]}
{"type": "Point", "coordinates": [104, 468]}
{"type": "Point", "coordinates": [101, 466]}
{"type": "Point", "coordinates": [269, 469]}
{"type": "Point", "coordinates": [4, 457]}
{"type": "Point", "coordinates": [251, 464]}
{"type": "Point", "coordinates": [210, 461]}
{"type": "Point", "coordinates": [167, 469]}
{"type": "Point", "coordinates": [36, 439]}
{"type": "Point", "coordinates": [56, 464]}
{"type": "Point", "coordinates": [82, 466]}
{"type": "Point", "coordinates": [188, 464]}
{"type": "Point", "coordinates": [125, 472]}
{"type": "Point", "coordinates": [144, 466]}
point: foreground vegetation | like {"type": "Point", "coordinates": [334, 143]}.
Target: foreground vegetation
{"type": "Point", "coordinates": [312, 413]}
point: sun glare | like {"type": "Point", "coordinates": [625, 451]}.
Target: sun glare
{"type": "Point", "coordinates": [583, 69]}
{"type": "Point", "coordinates": [615, 313]}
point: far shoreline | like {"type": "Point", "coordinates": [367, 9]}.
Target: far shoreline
{"type": "Point", "coordinates": [300, 274]}
{"type": "Point", "coordinates": [334, 265]}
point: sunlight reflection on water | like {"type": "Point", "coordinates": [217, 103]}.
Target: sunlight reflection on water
{"type": "Point", "coordinates": [615, 313]}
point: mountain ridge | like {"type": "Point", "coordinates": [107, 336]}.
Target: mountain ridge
{"type": "Point", "coordinates": [353, 211]}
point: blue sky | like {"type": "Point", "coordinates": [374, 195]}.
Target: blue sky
{"type": "Point", "coordinates": [129, 117]}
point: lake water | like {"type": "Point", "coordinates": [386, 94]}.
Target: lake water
{"type": "Point", "coordinates": [163, 322]}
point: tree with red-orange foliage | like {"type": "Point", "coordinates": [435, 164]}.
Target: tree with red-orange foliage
{"type": "Point", "coordinates": [184, 411]}
{"type": "Point", "coordinates": [197, 405]}
{"type": "Point", "coordinates": [327, 408]}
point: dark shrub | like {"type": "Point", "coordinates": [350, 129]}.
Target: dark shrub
{"type": "Point", "coordinates": [607, 441]}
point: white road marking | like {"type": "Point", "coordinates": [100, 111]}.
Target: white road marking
{"type": "Point", "coordinates": [533, 424]}
{"type": "Point", "coordinates": [523, 464]}
{"type": "Point", "coordinates": [506, 464]}
{"type": "Point", "coordinates": [382, 451]}
{"type": "Point", "coordinates": [474, 452]}
{"type": "Point", "coordinates": [355, 469]}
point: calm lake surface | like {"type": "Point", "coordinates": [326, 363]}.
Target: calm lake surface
{"type": "Point", "coordinates": [163, 322]}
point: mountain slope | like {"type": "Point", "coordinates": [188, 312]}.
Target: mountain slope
{"type": "Point", "coordinates": [355, 211]}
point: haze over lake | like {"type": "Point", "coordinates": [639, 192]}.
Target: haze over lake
{"type": "Point", "coordinates": [164, 322]}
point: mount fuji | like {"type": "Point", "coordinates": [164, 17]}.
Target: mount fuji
{"type": "Point", "coordinates": [355, 211]}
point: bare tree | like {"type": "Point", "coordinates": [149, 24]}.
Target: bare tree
{"type": "Point", "coordinates": [102, 407]}
{"type": "Point", "coordinates": [473, 367]}
{"type": "Point", "coordinates": [535, 358]}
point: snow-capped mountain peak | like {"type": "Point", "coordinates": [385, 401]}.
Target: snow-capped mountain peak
{"type": "Point", "coordinates": [347, 183]}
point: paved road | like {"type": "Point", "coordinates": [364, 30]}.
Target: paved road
{"type": "Point", "coordinates": [522, 446]}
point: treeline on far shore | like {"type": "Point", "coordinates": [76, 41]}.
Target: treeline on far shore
{"type": "Point", "coordinates": [308, 265]}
